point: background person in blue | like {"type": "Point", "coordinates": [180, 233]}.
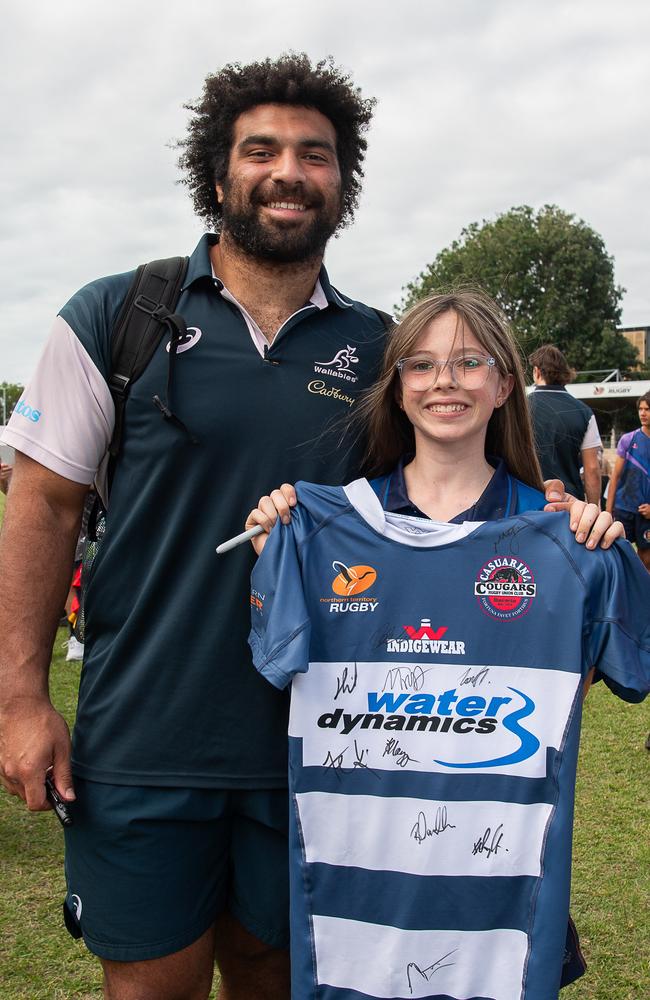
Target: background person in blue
{"type": "Point", "coordinates": [449, 438]}
{"type": "Point", "coordinates": [629, 487]}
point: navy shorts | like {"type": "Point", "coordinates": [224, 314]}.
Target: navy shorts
{"type": "Point", "coordinates": [637, 527]}
{"type": "Point", "coordinates": [148, 870]}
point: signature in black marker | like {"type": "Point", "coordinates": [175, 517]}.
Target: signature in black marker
{"type": "Point", "coordinates": [510, 533]}
{"type": "Point", "coordinates": [474, 679]}
{"type": "Point", "coordinates": [381, 635]}
{"type": "Point", "coordinates": [335, 762]}
{"type": "Point", "coordinates": [405, 678]}
{"type": "Point", "coordinates": [393, 749]}
{"type": "Point", "coordinates": [421, 830]}
{"type": "Point", "coordinates": [489, 843]}
{"type": "Point", "coordinates": [414, 972]}
{"type": "Point", "coordinates": [346, 683]}
{"type": "Point", "coordinates": [360, 762]}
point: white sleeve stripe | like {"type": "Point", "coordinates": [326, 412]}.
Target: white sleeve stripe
{"type": "Point", "coordinates": [56, 463]}
{"type": "Point", "coordinates": [66, 420]}
{"type": "Point", "coordinates": [592, 435]}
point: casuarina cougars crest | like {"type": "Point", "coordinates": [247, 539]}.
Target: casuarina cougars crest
{"type": "Point", "coordinates": [505, 588]}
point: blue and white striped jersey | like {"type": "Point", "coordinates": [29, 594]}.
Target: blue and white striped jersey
{"type": "Point", "coordinates": [437, 674]}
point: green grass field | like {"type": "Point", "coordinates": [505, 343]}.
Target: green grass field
{"type": "Point", "coordinates": [611, 879]}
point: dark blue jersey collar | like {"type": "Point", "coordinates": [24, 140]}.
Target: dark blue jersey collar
{"type": "Point", "coordinates": [498, 499]}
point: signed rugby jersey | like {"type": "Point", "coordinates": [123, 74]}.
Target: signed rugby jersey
{"type": "Point", "coordinates": [436, 677]}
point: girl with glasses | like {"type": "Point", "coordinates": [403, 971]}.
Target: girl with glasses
{"type": "Point", "coordinates": [447, 425]}
{"type": "Point", "coordinates": [438, 663]}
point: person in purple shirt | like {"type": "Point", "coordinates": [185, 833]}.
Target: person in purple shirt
{"type": "Point", "coordinates": [629, 487]}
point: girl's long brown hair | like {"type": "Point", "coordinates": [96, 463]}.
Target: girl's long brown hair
{"type": "Point", "coordinates": [388, 430]}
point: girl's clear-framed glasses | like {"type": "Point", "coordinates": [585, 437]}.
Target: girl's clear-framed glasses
{"type": "Point", "coordinates": [471, 371]}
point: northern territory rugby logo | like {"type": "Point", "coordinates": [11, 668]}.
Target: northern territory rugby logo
{"type": "Point", "coordinates": [352, 579]}
{"type": "Point", "coordinates": [505, 588]}
{"type": "Point", "coordinates": [347, 584]}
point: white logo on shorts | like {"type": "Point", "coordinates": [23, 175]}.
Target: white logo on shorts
{"type": "Point", "coordinates": [76, 906]}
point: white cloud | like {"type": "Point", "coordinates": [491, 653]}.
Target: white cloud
{"type": "Point", "coordinates": [483, 104]}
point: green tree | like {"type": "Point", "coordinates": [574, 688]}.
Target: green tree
{"type": "Point", "coordinates": [9, 396]}
{"type": "Point", "coordinates": [552, 276]}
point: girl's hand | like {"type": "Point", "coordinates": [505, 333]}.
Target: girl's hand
{"type": "Point", "coordinates": [269, 508]}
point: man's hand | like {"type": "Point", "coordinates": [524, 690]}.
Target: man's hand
{"type": "Point", "coordinates": [590, 525]}
{"type": "Point", "coordinates": [644, 510]}
{"type": "Point", "coordinates": [33, 739]}
{"type": "Point", "coordinates": [39, 534]}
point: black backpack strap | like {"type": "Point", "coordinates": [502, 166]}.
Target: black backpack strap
{"type": "Point", "coordinates": [147, 312]}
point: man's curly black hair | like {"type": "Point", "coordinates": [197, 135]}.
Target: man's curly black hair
{"type": "Point", "coordinates": [291, 79]}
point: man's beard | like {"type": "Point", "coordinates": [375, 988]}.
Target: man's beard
{"type": "Point", "coordinates": [277, 243]}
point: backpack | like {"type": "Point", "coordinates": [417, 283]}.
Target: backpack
{"type": "Point", "coordinates": [147, 312]}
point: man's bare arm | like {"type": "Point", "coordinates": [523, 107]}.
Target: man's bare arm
{"type": "Point", "coordinates": [592, 477]}
{"type": "Point", "coordinates": [613, 482]}
{"type": "Point", "coordinates": [37, 543]}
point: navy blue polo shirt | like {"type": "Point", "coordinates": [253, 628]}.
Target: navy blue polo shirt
{"type": "Point", "coordinates": [168, 692]}
{"type": "Point", "coordinates": [503, 496]}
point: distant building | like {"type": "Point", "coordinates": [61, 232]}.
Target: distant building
{"type": "Point", "coordinates": [639, 337]}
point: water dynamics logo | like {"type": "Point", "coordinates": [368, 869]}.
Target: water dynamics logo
{"type": "Point", "coordinates": [505, 588]}
{"type": "Point", "coordinates": [452, 712]}
{"type": "Point", "coordinates": [340, 365]}
{"type": "Point", "coordinates": [528, 743]}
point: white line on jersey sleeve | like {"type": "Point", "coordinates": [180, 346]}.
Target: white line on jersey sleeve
{"type": "Point", "coordinates": [64, 419]}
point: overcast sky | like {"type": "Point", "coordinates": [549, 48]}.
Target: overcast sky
{"type": "Point", "coordinates": [482, 105]}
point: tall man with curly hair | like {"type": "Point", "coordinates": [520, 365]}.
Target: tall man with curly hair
{"type": "Point", "coordinates": [176, 779]}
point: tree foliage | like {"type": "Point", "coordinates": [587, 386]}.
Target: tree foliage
{"type": "Point", "coordinates": [10, 392]}
{"type": "Point", "coordinates": [552, 276]}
